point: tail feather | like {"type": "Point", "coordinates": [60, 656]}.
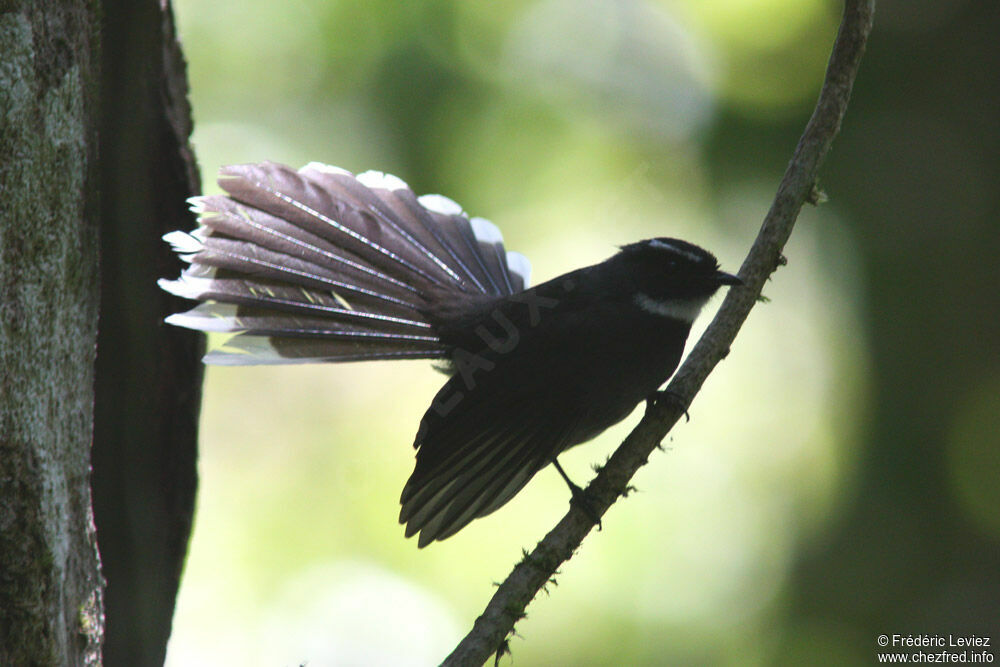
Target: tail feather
{"type": "Point", "coordinates": [443, 220]}
{"type": "Point", "coordinates": [338, 208]}
{"type": "Point", "coordinates": [225, 218]}
{"type": "Point", "coordinates": [248, 349]}
{"type": "Point", "coordinates": [320, 265]}
{"type": "Point", "coordinates": [385, 196]}
{"type": "Point", "coordinates": [284, 302]}
{"type": "Point", "coordinates": [264, 265]}
{"type": "Point", "coordinates": [491, 250]}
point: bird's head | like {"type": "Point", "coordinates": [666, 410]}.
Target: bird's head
{"type": "Point", "coordinates": [672, 278]}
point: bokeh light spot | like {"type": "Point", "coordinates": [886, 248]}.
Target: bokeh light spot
{"type": "Point", "coordinates": [974, 455]}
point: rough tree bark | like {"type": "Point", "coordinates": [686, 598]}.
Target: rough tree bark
{"type": "Point", "coordinates": [51, 608]}
{"type": "Point", "coordinates": [94, 128]}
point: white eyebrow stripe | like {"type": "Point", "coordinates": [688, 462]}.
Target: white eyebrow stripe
{"type": "Point", "coordinates": [657, 243]}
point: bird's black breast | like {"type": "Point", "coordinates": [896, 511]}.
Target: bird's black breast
{"type": "Point", "coordinates": [563, 360]}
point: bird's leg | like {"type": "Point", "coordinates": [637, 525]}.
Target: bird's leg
{"type": "Point", "coordinates": [579, 496]}
{"type": "Point", "coordinates": [667, 397]}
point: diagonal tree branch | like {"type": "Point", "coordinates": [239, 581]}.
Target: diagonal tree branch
{"type": "Point", "coordinates": [490, 631]}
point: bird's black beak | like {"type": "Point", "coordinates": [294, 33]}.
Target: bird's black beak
{"type": "Point", "coordinates": [724, 278]}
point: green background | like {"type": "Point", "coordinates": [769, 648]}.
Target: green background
{"type": "Point", "coordinates": [838, 479]}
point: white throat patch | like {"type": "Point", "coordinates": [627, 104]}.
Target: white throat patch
{"type": "Point", "coordinates": [685, 310]}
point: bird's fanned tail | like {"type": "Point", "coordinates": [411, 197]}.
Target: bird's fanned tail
{"type": "Point", "coordinates": [321, 265]}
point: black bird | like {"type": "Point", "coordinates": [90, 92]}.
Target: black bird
{"type": "Point", "coordinates": [319, 265]}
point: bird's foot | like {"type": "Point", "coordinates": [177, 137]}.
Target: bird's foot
{"type": "Point", "coordinates": [669, 398]}
{"type": "Point", "coordinates": [580, 497]}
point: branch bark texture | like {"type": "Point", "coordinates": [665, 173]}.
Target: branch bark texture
{"type": "Point", "coordinates": [490, 631]}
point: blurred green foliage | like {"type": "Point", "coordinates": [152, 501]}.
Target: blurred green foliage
{"type": "Point", "coordinates": [838, 478]}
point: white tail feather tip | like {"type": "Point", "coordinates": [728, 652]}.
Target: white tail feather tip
{"type": "Point", "coordinates": [520, 265]}
{"type": "Point", "coordinates": [197, 204]}
{"type": "Point", "coordinates": [381, 180]}
{"type": "Point", "coordinates": [183, 242]}
{"type": "Point", "coordinates": [186, 287]}
{"type": "Point", "coordinates": [216, 317]}
{"type": "Point", "coordinates": [486, 231]}
{"type": "Point", "coordinates": [325, 169]}
{"type": "Point", "coordinates": [440, 204]}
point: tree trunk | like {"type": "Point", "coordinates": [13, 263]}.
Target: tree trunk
{"type": "Point", "coordinates": [148, 374]}
{"type": "Point", "coordinates": [51, 609]}
{"type": "Point", "coordinates": [57, 200]}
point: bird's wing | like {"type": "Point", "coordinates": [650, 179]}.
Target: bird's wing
{"type": "Point", "coordinates": [478, 447]}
